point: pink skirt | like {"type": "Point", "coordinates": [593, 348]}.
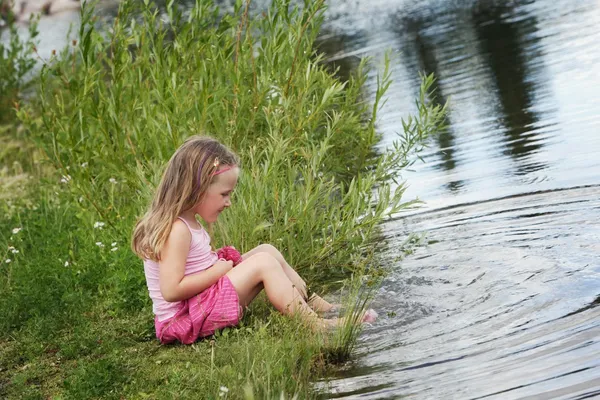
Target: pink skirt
{"type": "Point", "coordinates": [215, 308]}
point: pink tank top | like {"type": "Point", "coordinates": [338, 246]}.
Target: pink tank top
{"type": "Point", "coordinates": [199, 258]}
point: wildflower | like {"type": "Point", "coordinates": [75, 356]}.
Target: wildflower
{"type": "Point", "coordinates": [98, 225]}
{"type": "Point", "coordinates": [8, 260]}
{"type": "Point", "coordinates": [16, 230]}
{"type": "Point", "coordinates": [65, 179]}
{"type": "Point", "coordinates": [112, 180]}
{"type": "Point", "coordinates": [13, 250]}
{"type": "Point", "coordinates": [100, 244]}
{"type": "Point", "coordinates": [113, 244]}
{"type": "Point", "coordinates": [66, 263]}
{"type": "Point", "coordinates": [223, 391]}
{"type": "Point", "coordinates": [274, 93]}
{"type": "Point", "coordinates": [84, 165]}
{"type": "Point", "coordinates": [114, 249]}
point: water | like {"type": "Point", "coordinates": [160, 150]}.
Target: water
{"type": "Point", "coordinates": [501, 302]}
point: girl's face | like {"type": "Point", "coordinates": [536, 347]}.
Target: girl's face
{"type": "Point", "coordinates": [218, 196]}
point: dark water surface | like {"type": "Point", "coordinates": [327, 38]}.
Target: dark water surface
{"type": "Point", "coordinates": [501, 303]}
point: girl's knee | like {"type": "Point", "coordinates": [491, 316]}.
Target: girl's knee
{"type": "Point", "coordinates": [268, 248]}
{"type": "Point", "coordinates": [272, 250]}
{"type": "Point", "coordinates": [265, 260]}
{"type": "Point", "coordinates": [255, 268]}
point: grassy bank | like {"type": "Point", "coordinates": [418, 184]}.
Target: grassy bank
{"type": "Point", "coordinates": [111, 109]}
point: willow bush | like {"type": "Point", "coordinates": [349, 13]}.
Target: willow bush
{"type": "Point", "coordinates": [117, 105]}
{"type": "Point", "coordinates": [112, 108]}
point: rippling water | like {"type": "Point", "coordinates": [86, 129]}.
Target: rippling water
{"type": "Point", "coordinates": [501, 302]}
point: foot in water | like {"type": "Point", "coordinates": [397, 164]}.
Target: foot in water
{"type": "Point", "coordinates": [368, 317]}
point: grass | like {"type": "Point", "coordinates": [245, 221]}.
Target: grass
{"type": "Point", "coordinates": [109, 111]}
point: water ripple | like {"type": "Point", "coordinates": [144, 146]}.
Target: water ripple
{"type": "Point", "coordinates": [502, 302]}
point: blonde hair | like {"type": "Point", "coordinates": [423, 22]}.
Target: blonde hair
{"type": "Point", "coordinates": [189, 173]}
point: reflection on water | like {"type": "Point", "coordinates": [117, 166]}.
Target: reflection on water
{"type": "Point", "coordinates": [502, 303]}
{"type": "Point", "coordinates": [503, 43]}
{"type": "Point", "coordinates": [422, 50]}
{"type": "Point", "coordinates": [519, 80]}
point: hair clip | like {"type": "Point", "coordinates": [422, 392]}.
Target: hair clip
{"type": "Point", "coordinates": [227, 168]}
{"type": "Point", "coordinates": [216, 163]}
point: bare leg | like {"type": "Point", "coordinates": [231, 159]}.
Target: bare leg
{"type": "Point", "coordinates": [315, 302]}
{"type": "Point", "coordinates": [263, 270]}
{"type": "Point", "coordinates": [252, 295]}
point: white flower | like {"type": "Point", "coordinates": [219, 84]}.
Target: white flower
{"type": "Point", "coordinates": [8, 260]}
{"type": "Point", "coordinates": [16, 230]}
{"type": "Point", "coordinates": [113, 244]}
{"type": "Point", "coordinates": [65, 179]}
{"type": "Point", "coordinates": [66, 263]}
{"type": "Point", "coordinates": [114, 249]}
{"type": "Point", "coordinates": [112, 180]}
{"type": "Point", "coordinates": [223, 391]}
{"type": "Point", "coordinates": [274, 93]}
{"type": "Point", "coordinates": [81, 199]}
{"type": "Point", "coordinates": [100, 244]}
{"type": "Point", "coordinates": [98, 225]}
{"type": "Point", "coordinates": [13, 250]}
{"type": "Point", "coordinates": [84, 165]}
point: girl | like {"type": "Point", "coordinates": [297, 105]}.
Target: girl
{"type": "Point", "coordinates": [194, 292]}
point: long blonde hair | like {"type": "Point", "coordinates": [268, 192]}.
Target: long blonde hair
{"type": "Point", "coordinates": [188, 174]}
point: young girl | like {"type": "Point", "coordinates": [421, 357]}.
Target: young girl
{"type": "Point", "coordinates": [194, 292]}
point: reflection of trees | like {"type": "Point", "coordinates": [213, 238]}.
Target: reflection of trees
{"type": "Point", "coordinates": [428, 38]}
{"type": "Point", "coordinates": [422, 51]}
{"type": "Point", "coordinates": [332, 45]}
{"type": "Point", "coordinates": [502, 42]}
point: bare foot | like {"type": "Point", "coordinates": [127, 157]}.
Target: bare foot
{"type": "Point", "coordinates": [320, 305]}
{"type": "Point", "coordinates": [368, 317]}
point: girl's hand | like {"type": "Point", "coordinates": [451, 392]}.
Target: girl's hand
{"type": "Point", "coordinates": [224, 266]}
{"type": "Point", "coordinates": [230, 253]}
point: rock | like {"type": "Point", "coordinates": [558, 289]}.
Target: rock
{"type": "Point", "coordinates": [22, 9]}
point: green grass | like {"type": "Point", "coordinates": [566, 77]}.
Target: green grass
{"type": "Point", "coordinates": [108, 112]}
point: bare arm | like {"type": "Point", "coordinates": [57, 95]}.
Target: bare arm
{"type": "Point", "coordinates": [174, 286]}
